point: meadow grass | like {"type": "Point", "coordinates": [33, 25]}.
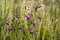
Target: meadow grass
{"type": "Point", "coordinates": [29, 19]}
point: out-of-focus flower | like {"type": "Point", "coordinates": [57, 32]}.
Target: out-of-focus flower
{"type": "Point", "coordinates": [31, 31]}
{"type": "Point", "coordinates": [10, 28]}
{"type": "Point", "coordinates": [16, 15]}
{"type": "Point", "coordinates": [34, 24]}
{"type": "Point", "coordinates": [7, 22]}
{"type": "Point", "coordinates": [28, 16]}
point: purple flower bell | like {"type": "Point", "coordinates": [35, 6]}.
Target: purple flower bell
{"type": "Point", "coordinates": [34, 24]}
{"type": "Point", "coordinates": [10, 28]}
{"type": "Point", "coordinates": [28, 16]}
{"type": "Point", "coordinates": [31, 31]}
{"type": "Point", "coordinates": [7, 22]}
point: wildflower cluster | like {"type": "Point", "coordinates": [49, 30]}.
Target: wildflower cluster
{"type": "Point", "coordinates": [28, 16]}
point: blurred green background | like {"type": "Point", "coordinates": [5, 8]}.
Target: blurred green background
{"type": "Point", "coordinates": [48, 27]}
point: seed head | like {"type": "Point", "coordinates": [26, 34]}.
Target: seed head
{"type": "Point", "coordinates": [36, 7]}
{"type": "Point", "coordinates": [39, 18]}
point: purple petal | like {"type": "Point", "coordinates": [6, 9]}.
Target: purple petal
{"type": "Point", "coordinates": [10, 28]}
{"type": "Point", "coordinates": [28, 16]}
{"type": "Point", "coordinates": [31, 31]}
{"type": "Point", "coordinates": [34, 24]}
{"type": "Point", "coordinates": [7, 22]}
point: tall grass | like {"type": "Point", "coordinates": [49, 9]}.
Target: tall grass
{"type": "Point", "coordinates": [43, 19]}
